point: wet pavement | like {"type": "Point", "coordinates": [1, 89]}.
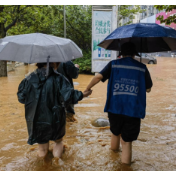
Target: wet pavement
{"type": "Point", "coordinates": [88, 147]}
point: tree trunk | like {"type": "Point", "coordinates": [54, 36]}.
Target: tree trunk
{"type": "Point", "coordinates": [3, 64]}
{"type": "Point", "coordinates": [3, 68]}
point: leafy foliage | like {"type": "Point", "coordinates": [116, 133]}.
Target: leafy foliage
{"type": "Point", "coordinates": [48, 19]}
{"type": "Point", "coordinates": [28, 19]}
{"type": "Point", "coordinates": [84, 63]}
{"type": "Point", "coordinates": [79, 26]}
{"type": "Point", "coordinates": [128, 11]}
{"type": "Point", "coordinates": [167, 8]}
{"type": "Point", "coordinates": [22, 19]}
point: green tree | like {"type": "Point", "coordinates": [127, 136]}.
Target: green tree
{"type": "Point", "coordinates": [78, 29]}
{"type": "Point", "coordinates": [167, 8]}
{"type": "Point", "coordinates": [21, 19]}
{"type": "Point", "coordinates": [41, 20]}
{"type": "Point", "coordinates": [79, 25]}
{"type": "Point", "coordinates": [48, 19]}
{"type": "Point", "coordinates": [128, 11]}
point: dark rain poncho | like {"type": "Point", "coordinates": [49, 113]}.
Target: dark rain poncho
{"type": "Point", "coordinates": [69, 70]}
{"type": "Point", "coordinates": [45, 101]}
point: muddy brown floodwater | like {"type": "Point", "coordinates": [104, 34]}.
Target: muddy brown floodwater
{"type": "Point", "coordinates": [88, 146]}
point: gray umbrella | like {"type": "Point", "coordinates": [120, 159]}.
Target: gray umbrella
{"type": "Point", "coordinates": [37, 48]}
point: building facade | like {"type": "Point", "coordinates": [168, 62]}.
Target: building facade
{"type": "Point", "coordinates": [150, 10]}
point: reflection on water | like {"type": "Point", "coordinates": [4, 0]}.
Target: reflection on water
{"type": "Point", "coordinates": [89, 146]}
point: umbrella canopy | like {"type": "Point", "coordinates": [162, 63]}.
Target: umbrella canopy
{"type": "Point", "coordinates": [37, 47]}
{"type": "Point", "coordinates": [148, 38]}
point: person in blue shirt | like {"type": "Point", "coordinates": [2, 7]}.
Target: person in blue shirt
{"type": "Point", "coordinates": [128, 82]}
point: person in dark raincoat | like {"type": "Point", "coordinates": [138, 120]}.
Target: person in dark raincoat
{"type": "Point", "coordinates": [45, 99]}
{"type": "Point", "coordinates": [70, 71]}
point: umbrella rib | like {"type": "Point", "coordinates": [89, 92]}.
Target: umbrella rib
{"type": "Point", "coordinates": [56, 45]}
{"type": "Point", "coordinates": [4, 47]}
{"type": "Point", "coordinates": [20, 37]}
{"type": "Point", "coordinates": [32, 48]}
{"type": "Point", "coordinates": [15, 53]}
{"type": "Point", "coordinates": [46, 50]}
{"type": "Point", "coordinates": [12, 42]}
{"type": "Point", "coordinates": [31, 54]}
{"type": "Point", "coordinates": [76, 46]}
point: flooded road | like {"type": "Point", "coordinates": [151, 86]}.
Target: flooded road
{"type": "Point", "coordinates": [88, 146]}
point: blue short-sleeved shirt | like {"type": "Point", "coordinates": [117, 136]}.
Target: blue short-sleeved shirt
{"type": "Point", "coordinates": [106, 72]}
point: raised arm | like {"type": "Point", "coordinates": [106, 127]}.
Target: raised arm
{"type": "Point", "coordinates": [70, 96]}
{"type": "Point", "coordinates": [96, 79]}
{"type": "Point", "coordinates": [102, 76]}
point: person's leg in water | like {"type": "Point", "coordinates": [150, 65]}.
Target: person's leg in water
{"type": "Point", "coordinates": [70, 117]}
{"type": "Point", "coordinates": [57, 151]}
{"type": "Point", "coordinates": [70, 114]}
{"type": "Point", "coordinates": [126, 152]}
{"type": "Point", "coordinates": [43, 150]}
{"type": "Point", "coordinates": [58, 148]}
{"type": "Point", "coordinates": [130, 132]}
{"type": "Point", "coordinates": [126, 148]}
{"type": "Point", "coordinates": [115, 142]}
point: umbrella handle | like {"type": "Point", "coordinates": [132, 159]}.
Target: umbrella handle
{"type": "Point", "coordinates": [47, 68]}
{"type": "Point", "coordinates": [119, 47]}
{"type": "Point", "coordinates": [141, 51]}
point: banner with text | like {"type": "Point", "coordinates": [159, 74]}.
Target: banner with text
{"type": "Point", "coordinates": [101, 29]}
{"type": "Point", "coordinates": [103, 22]}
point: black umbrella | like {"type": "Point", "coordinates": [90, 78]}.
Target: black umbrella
{"type": "Point", "coordinates": [147, 37]}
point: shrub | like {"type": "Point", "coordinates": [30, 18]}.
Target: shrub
{"type": "Point", "coordinates": [84, 63]}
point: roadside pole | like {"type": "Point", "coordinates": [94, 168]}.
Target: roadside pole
{"type": "Point", "coordinates": [64, 23]}
{"type": "Point", "coordinates": [118, 14]}
{"type": "Point", "coordinates": [118, 10]}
